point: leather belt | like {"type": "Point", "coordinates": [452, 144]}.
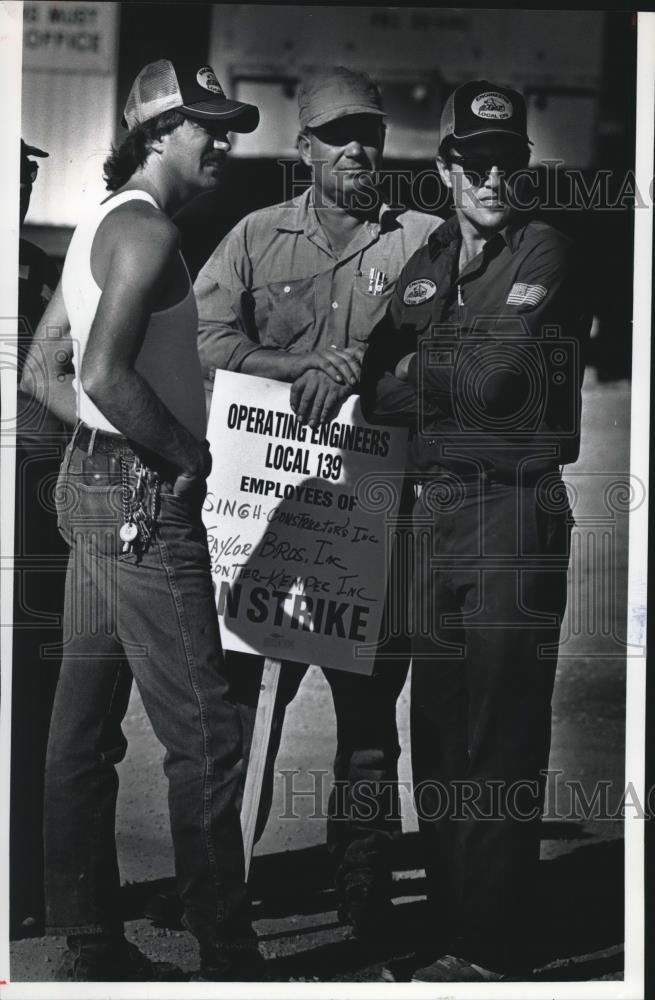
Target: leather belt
{"type": "Point", "coordinates": [486, 480]}
{"type": "Point", "coordinates": [91, 439]}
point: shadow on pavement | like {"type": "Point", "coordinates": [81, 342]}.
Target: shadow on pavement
{"type": "Point", "coordinates": [596, 967]}
{"type": "Point", "coordinates": [580, 900]}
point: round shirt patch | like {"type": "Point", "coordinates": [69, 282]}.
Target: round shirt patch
{"type": "Point", "coordinates": [491, 104]}
{"type": "Point", "coordinates": [419, 291]}
{"type": "Point", "coordinates": [207, 79]}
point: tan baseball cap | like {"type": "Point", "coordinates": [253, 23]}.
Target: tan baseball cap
{"type": "Point", "coordinates": [336, 92]}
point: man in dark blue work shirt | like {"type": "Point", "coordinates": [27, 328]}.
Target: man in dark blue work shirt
{"type": "Point", "coordinates": [480, 353]}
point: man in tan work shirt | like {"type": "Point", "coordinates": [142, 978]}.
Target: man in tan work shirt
{"type": "Point", "coordinates": [292, 293]}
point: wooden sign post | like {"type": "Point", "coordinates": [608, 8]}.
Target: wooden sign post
{"type": "Point", "coordinates": [257, 761]}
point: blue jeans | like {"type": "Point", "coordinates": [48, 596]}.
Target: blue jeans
{"type": "Point", "coordinates": [152, 616]}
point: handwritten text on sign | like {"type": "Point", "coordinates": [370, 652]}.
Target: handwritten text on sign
{"type": "Point", "coordinates": [299, 557]}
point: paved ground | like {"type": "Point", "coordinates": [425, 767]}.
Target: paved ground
{"type": "Point", "coordinates": [582, 858]}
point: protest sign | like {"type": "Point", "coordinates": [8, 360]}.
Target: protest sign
{"type": "Point", "coordinates": [297, 524]}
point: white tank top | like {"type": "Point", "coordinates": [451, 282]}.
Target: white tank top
{"type": "Point", "coordinates": [168, 359]}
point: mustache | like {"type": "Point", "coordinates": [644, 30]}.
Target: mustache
{"type": "Point", "coordinates": [217, 158]}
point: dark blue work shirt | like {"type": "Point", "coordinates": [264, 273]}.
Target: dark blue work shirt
{"type": "Point", "coordinates": [494, 384]}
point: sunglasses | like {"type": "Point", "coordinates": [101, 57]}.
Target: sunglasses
{"type": "Point", "coordinates": [365, 129]}
{"type": "Point", "coordinates": [477, 168]}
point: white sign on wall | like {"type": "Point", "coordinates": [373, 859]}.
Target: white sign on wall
{"type": "Point", "coordinates": [299, 554]}
{"type": "Point", "coordinates": [68, 108]}
{"type": "Point", "coordinates": [69, 37]}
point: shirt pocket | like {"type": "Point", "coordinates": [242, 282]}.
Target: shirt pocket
{"type": "Point", "coordinates": [287, 311]}
{"type": "Point", "coordinates": [368, 309]}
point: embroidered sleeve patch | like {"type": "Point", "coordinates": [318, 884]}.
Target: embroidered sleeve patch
{"type": "Point", "coordinates": [419, 291]}
{"type": "Point", "coordinates": [526, 295]}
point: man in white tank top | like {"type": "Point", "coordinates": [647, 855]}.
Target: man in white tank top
{"type": "Point", "coordinates": [139, 598]}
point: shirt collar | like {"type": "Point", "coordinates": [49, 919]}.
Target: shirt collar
{"type": "Point", "coordinates": [390, 218]}
{"type": "Point", "coordinates": [295, 216]}
{"type": "Point", "coordinates": [449, 232]}
{"type": "Point", "coordinates": [298, 216]}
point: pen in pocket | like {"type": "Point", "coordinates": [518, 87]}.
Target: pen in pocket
{"type": "Point", "coordinates": [376, 279]}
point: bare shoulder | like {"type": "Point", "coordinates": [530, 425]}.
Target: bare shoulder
{"type": "Point", "coordinates": [135, 223]}
{"type": "Point", "coordinates": [135, 237]}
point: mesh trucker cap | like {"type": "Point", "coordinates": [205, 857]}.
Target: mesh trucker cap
{"type": "Point", "coordinates": [481, 108]}
{"type": "Point", "coordinates": [196, 93]}
{"type": "Point", "coordinates": [334, 93]}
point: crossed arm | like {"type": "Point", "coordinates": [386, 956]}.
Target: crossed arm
{"type": "Point", "coordinates": [394, 383]}
{"type": "Point", "coordinates": [229, 337]}
{"type": "Point", "coordinates": [321, 379]}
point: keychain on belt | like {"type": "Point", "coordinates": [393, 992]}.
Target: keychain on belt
{"type": "Point", "coordinates": [140, 508]}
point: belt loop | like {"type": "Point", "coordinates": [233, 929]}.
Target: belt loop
{"type": "Point", "coordinates": [92, 441]}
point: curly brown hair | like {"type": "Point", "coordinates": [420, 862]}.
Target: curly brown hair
{"type": "Point", "coordinates": [135, 148]}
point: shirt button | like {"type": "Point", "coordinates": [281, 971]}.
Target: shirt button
{"type": "Point", "coordinates": [287, 289]}
{"type": "Point", "coordinates": [335, 305]}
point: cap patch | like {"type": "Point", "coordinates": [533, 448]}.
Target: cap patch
{"type": "Point", "coordinates": [207, 79]}
{"type": "Point", "coordinates": [492, 105]}
{"type": "Point", "coordinates": [419, 291]}
{"type": "Point", "coordinates": [526, 295]}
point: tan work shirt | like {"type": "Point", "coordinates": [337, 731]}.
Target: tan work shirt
{"type": "Point", "coordinates": [274, 281]}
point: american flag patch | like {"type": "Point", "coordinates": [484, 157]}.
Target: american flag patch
{"type": "Point", "coordinates": [526, 295]}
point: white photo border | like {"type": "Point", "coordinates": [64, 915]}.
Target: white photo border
{"type": "Point", "coordinates": [632, 987]}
